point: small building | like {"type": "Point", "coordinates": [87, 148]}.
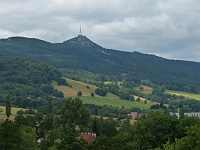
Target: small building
{"type": "Point", "coordinates": [134, 115]}
{"type": "Point", "coordinates": [77, 128]}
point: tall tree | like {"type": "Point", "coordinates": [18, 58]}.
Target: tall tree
{"type": "Point", "coordinates": [94, 127]}
{"type": "Point", "coordinates": [9, 136]}
{"type": "Point", "coordinates": [8, 106]}
{"type": "Point", "coordinates": [28, 139]}
{"type": "Point", "coordinates": [49, 105]}
{"type": "Point", "coordinates": [153, 130]}
{"type": "Point", "coordinates": [74, 113]}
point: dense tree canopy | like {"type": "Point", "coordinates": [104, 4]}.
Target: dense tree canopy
{"type": "Point", "coordinates": [25, 77]}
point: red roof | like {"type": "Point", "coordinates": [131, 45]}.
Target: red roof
{"type": "Point", "coordinates": [88, 137]}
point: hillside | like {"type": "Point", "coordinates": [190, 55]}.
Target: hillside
{"type": "Point", "coordinates": [81, 53]}
{"type": "Point", "coordinates": [110, 99]}
{"type": "Point", "coordinates": [26, 78]}
{"type": "Point", "coordinates": [79, 86]}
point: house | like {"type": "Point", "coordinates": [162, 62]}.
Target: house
{"type": "Point", "coordinates": [77, 128]}
{"type": "Point", "coordinates": [88, 137]}
{"type": "Point", "coordinates": [134, 115]}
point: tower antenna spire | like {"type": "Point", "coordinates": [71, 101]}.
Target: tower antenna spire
{"type": "Point", "coordinates": [80, 29]}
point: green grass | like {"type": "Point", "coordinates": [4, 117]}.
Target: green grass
{"type": "Point", "coordinates": [109, 99]}
{"type": "Point", "coordinates": [13, 110]}
{"type": "Point", "coordinates": [185, 94]}
{"type": "Point", "coordinates": [146, 89]}
{"type": "Point", "coordinates": [79, 86]}
{"type": "Point", "coordinates": [100, 101]}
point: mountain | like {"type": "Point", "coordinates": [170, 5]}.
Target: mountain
{"type": "Point", "coordinates": [81, 53]}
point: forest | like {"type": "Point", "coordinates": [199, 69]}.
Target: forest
{"type": "Point", "coordinates": [27, 82]}
{"type": "Point", "coordinates": [175, 74]}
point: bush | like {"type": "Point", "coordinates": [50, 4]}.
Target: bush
{"type": "Point", "coordinates": [79, 93]}
{"type": "Point", "coordinates": [92, 94]}
{"type": "Point", "coordinates": [101, 91]}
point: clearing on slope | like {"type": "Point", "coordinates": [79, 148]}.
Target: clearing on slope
{"type": "Point", "coordinates": [185, 94]}
{"type": "Point", "coordinates": [79, 86]}
{"type": "Point", "coordinates": [110, 99]}
{"type": "Point", "coordinates": [145, 89]}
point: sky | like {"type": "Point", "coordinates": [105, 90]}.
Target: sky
{"type": "Point", "coordinates": [166, 28]}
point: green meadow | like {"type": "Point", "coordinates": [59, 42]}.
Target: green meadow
{"type": "Point", "coordinates": [146, 89]}
{"type": "Point", "coordinates": [110, 99]}
{"type": "Point", "coordinates": [101, 101]}
{"type": "Point", "coordinates": [13, 110]}
{"type": "Point", "coordinates": [185, 94]}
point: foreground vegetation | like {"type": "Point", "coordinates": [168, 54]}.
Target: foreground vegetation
{"type": "Point", "coordinates": [155, 130]}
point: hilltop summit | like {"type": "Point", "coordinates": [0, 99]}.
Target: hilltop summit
{"type": "Point", "coordinates": [82, 40]}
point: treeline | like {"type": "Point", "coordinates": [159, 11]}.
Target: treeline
{"type": "Point", "coordinates": [111, 111]}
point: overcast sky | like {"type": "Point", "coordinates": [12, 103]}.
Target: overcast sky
{"type": "Point", "coordinates": [167, 28]}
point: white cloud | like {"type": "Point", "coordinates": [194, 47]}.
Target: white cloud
{"type": "Point", "coordinates": [168, 28]}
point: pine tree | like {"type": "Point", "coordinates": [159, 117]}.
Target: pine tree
{"type": "Point", "coordinates": [8, 106]}
{"type": "Point", "coordinates": [94, 127]}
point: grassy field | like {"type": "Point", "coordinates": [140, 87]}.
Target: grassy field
{"type": "Point", "coordinates": [107, 82]}
{"type": "Point", "coordinates": [13, 112]}
{"type": "Point", "coordinates": [185, 94]}
{"type": "Point", "coordinates": [115, 102]}
{"type": "Point", "coordinates": [109, 99]}
{"type": "Point", "coordinates": [79, 86]}
{"type": "Point", "coordinates": [146, 89]}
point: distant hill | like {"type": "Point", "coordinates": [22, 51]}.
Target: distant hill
{"type": "Point", "coordinates": [81, 53]}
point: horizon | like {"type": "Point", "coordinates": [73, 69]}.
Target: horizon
{"type": "Point", "coordinates": [98, 45]}
{"type": "Point", "coordinates": [166, 28]}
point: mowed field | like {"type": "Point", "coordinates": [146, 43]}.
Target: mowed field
{"type": "Point", "coordinates": [109, 99]}
{"type": "Point", "coordinates": [185, 94]}
{"type": "Point", "coordinates": [146, 89]}
{"type": "Point", "coordinates": [115, 102]}
{"type": "Point", "coordinates": [79, 86]}
{"type": "Point", "coordinates": [13, 112]}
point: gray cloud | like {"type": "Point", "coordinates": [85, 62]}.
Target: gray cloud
{"type": "Point", "coordinates": [166, 28]}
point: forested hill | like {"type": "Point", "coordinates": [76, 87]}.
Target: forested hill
{"type": "Point", "coordinates": [25, 77]}
{"type": "Point", "coordinates": [81, 53]}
